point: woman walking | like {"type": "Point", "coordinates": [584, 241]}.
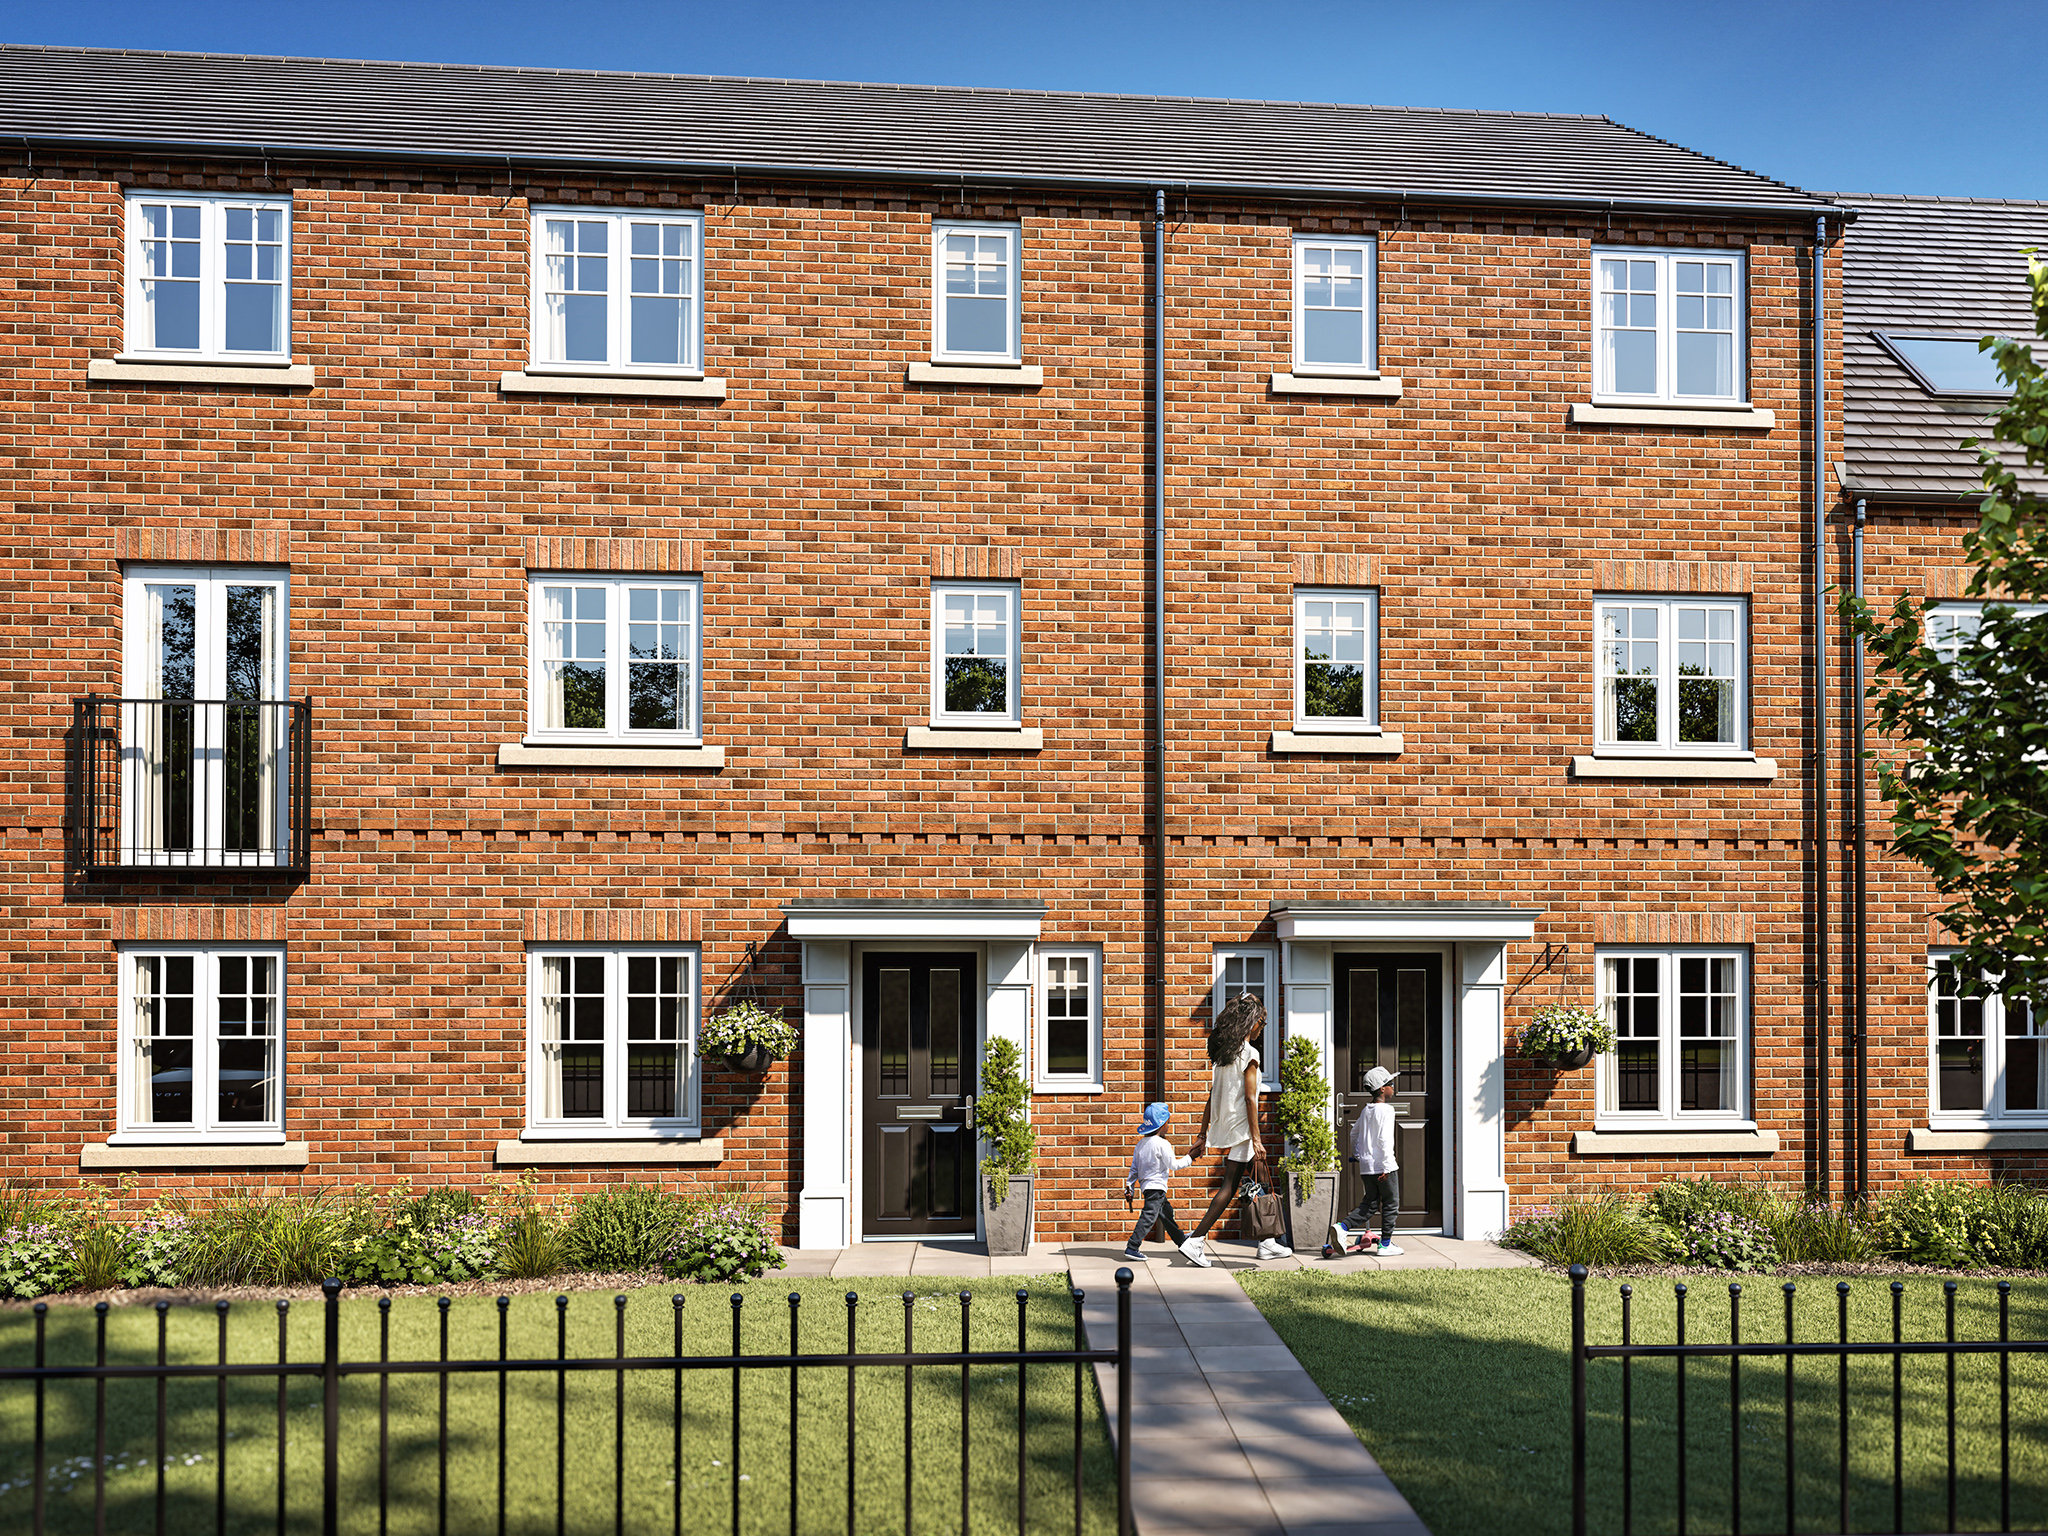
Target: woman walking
{"type": "Point", "coordinates": [1230, 1119]}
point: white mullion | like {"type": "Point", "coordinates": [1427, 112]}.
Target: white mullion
{"type": "Point", "coordinates": [205, 1040]}
{"type": "Point", "coordinates": [1667, 331]}
{"type": "Point", "coordinates": [617, 664]}
{"type": "Point", "coordinates": [618, 295]}
{"type": "Point", "coordinates": [1014, 635]}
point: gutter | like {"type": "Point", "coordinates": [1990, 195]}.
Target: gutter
{"type": "Point", "coordinates": [807, 171]}
{"type": "Point", "coordinates": [1159, 926]}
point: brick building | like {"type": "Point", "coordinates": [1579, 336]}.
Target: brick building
{"type": "Point", "coordinates": [506, 561]}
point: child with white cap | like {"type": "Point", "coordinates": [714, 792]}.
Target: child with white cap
{"type": "Point", "coordinates": [1372, 1149]}
{"type": "Point", "coordinates": [1152, 1165]}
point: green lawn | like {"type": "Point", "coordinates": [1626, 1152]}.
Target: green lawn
{"type": "Point", "coordinates": [932, 1426]}
{"type": "Point", "coordinates": [1459, 1382]}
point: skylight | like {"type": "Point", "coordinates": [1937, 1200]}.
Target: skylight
{"type": "Point", "coordinates": [1946, 365]}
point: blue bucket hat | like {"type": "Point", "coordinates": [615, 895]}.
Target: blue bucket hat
{"type": "Point", "coordinates": [1156, 1116]}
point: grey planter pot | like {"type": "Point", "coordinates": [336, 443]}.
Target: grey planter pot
{"type": "Point", "coordinates": [1308, 1221]}
{"type": "Point", "coordinates": [1008, 1225]}
{"type": "Point", "coordinates": [1571, 1061]}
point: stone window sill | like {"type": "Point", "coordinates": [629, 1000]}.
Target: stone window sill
{"type": "Point", "coordinates": [1926, 1139]}
{"type": "Point", "coordinates": [1019, 377]}
{"type": "Point", "coordinates": [1734, 1143]}
{"type": "Point", "coordinates": [516, 754]}
{"type": "Point", "coordinates": [1377, 387]}
{"type": "Point", "coordinates": [1025, 739]}
{"type": "Point", "coordinates": [1350, 743]}
{"type": "Point", "coordinates": [1755, 768]}
{"type": "Point", "coordinates": [538, 1154]}
{"type": "Point", "coordinates": [1058, 1087]}
{"type": "Point", "coordinates": [195, 1154]}
{"type": "Point", "coordinates": [126, 370]}
{"type": "Point", "coordinates": [1744, 416]}
{"type": "Point", "coordinates": [625, 384]}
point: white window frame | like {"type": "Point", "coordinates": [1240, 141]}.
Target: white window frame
{"type": "Point", "coordinates": [615, 1124]}
{"type": "Point", "coordinates": [1666, 393]}
{"type": "Point", "coordinates": [618, 293]}
{"type": "Point", "coordinates": [1667, 743]}
{"type": "Point", "coordinates": [131, 1129]}
{"type": "Point", "coordinates": [1303, 720]}
{"type": "Point", "coordinates": [1738, 1117]}
{"type": "Point", "coordinates": [1269, 1044]}
{"type": "Point", "coordinates": [1993, 1111]}
{"type": "Point", "coordinates": [1044, 1079]}
{"type": "Point", "coordinates": [213, 280]}
{"type": "Point", "coordinates": [618, 664]}
{"type": "Point", "coordinates": [942, 350]}
{"type": "Point", "coordinates": [1946, 622]}
{"type": "Point", "coordinates": [1370, 245]}
{"type": "Point", "coordinates": [1013, 718]}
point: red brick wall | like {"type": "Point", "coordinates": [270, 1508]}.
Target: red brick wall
{"type": "Point", "coordinates": [820, 499]}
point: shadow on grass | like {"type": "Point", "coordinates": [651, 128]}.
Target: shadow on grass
{"type": "Point", "coordinates": [661, 1481]}
{"type": "Point", "coordinates": [1459, 1382]}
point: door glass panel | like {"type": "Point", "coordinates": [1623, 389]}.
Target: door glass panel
{"type": "Point", "coordinates": [945, 1033]}
{"type": "Point", "coordinates": [892, 1032]}
{"type": "Point", "coordinates": [943, 1195]}
{"type": "Point", "coordinates": [1411, 992]}
{"type": "Point", "coordinates": [895, 1201]}
{"type": "Point", "coordinates": [1365, 1026]}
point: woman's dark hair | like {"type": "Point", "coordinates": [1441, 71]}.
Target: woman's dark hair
{"type": "Point", "coordinates": [1242, 1017]}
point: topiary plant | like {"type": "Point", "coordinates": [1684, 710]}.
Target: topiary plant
{"type": "Point", "coordinates": [1303, 1114]}
{"type": "Point", "coordinates": [999, 1116]}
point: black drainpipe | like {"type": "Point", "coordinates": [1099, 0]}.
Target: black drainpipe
{"type": "Point", "coordinates": [1859, 851]}
{"type": "Point", "coordinates": [1820, 687]}
{"type": "Point", "coordinates": [1159, 642]}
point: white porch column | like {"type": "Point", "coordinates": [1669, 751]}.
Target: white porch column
{"type": "Point", "coordinates": [825, 1206]}
{"type": "Point", "coordinates": [1306, 998]}
{"type": "Point", "coordinates": [1480, 1196]}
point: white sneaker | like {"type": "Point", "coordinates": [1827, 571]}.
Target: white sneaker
{"type": "Point", "coordinates": [1389, 1250]}
{"type": "Point", "coordinates": [1340, 1238]}
{"type": "Point", "coordinates": [1273, 1248]}
{"type": "Point", "coordinates": [1193, 1249]}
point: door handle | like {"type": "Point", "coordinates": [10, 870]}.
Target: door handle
{"type": "Point", "coordinates": [967, 1111]}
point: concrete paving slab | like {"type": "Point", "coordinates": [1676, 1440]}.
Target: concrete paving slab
{"type": "Point", "coordinates": [1188, 1456]}
{"type": "Point", "coordinates": [874, 1259]}
{"type": "Point", "coordinates": [1250, 1357]}
{"type": "Point", "coordinates": [1398, 1525]}
{"type": "Point", "coordinates": [1224, 1334]}
{"type": "Point", "coordinates": [1283, 1457]}
{"type": "Point", "coordinates": [1202, 1503]}
{"type": "Point", "coordinates": [1264, 1387]}
{"type": "Point", "coordinates": [1205, 1420]}
{"type": "Point", "coordinates": [1360, 1501]}
{"type": "Point", "coordinates": [1263, 1419]}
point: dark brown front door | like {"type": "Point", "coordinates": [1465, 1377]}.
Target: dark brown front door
{"type": "Point", "coordinates": [1390, 1013]}
{"type": "Point", "coordinates": [919, 1033]}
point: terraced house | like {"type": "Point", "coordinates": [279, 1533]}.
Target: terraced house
{"type": "Point", "coordinates": [506, 560]}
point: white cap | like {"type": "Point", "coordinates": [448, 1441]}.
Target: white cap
{"type": "Point", "coordinates": [1377, 1079]}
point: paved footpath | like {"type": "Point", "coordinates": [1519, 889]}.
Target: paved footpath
{"type": "Point", "coordinates": [1228, 1432]}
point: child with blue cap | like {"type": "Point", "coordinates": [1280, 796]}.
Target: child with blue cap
{"type": "Point", "coordinates": [1152, 1165]}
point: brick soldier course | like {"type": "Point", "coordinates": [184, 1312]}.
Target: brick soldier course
{"type": "Point", "coordinates": [409, 493]}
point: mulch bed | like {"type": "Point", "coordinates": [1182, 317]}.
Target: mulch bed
{"type": "Point", "coordinates": [1869, 1269]}
{"type": "Point", "coordinates": [191, 1295]}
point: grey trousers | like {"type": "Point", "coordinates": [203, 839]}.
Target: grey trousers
{"type": "Point", "coordinates": [1157, 1208]}
{"type": "Point", "coordinates": [1382, 1197]}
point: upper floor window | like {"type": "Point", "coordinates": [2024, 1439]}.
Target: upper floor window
{"type": "Point", "coordinates": [1334, 291]}
{"type": "Point", "coordinates": [614, 658]}
{"type": "Point", "coordinates": [617, 292]}
{"type": "Point", "coordinates": [1336, 658]}
{"type": "Point", "coordinates": [613, 1040]}
{"type": "Point", "coordinates": [975, 646]}
{"type": "Point", "coordinates": [1668, 326]}
{"type": "Point", "coordinates": [1952, 626]}
{"type": "Point", "coordinates": [1987, 1056]}
{"type": "Point", "coordinates": [204, 1046]}
{"type": "Point", "coordinates": [1681, 1023]}
{"type": "Point", "coordinates": [1672, 675]}
{"type": "Point", "coordinates": [1254, 969]}
{"type": "Point", "coordinates": [976, 314]}
{"type": "Point", "coordinates": [1070, 1020]}
{"type": "Point", "coordinates": [209, 276]}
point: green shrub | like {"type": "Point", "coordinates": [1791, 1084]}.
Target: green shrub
{"type": "Point", "coordinates": [1595, 1230]}
{"type": "Point", "coordinates": [36, 1259]}
{"type": "Point", "coordinates": [530, 1246]}
{"type": "Point", "coordinates": [999, 1115]}
{"type": "Point", "coordinates": [1927, 1223]}
{"type": "Point", "coordinates": [268, 1239]}
{"type": "Point", "coordinates": [1723, 1240]}
{"type": "Point", "coordinates": [626, 1227]}
{"type": "Point", "coordinates": [1677, 1201]}
{"type": "Point", "coordinates": [437, 1238]}
{"type": "Point", "coordinates": [1815, 1232]}
{"type": "Point", "coordinates": [2010, 1227]}
{"type": "Point", "coordinates": [99, 1255]}
{"type": "Point", "coordinates": [1303, 1114]}
{"type": "Point", "coordinates": [723, 1242]}
{"type": "Point", "coordinates": [158, 1247]}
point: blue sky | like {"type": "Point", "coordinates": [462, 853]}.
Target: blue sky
{"type": "Point", "coordinates": [1835, 95]}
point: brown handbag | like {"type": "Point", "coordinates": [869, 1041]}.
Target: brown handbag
{"type": "Point", "coordinates": [1262, 1214]}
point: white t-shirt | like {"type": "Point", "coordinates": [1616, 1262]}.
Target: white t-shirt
{"type": "Point", "coordinates": [1372, 1139]}
{"type": "Point", "coordinates": [1234, 1119]}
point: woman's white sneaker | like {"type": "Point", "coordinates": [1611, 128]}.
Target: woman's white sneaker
{"type": "Point", "coordinates": [1196, 1255]}
{"type": "Point", "coordinates": [1273, 1248]}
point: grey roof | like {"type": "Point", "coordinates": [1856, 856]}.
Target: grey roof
{"type": "Point", "coordinates": [1939, 266]}
{"type": "Point", "coordinates": [295, 108]}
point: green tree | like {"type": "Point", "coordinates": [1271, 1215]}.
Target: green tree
{"type": "Point", "coordinates": [1972, 807]}
{"type": "Point", "coordinates": [1303, 1114]}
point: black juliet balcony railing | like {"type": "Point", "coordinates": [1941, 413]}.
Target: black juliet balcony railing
{"type": "Point", "coordinates": [191, 785]}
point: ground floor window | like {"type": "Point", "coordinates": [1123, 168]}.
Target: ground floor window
{"type": "Point", "coordinates": [205, 1041]}
{"type": "Point", "coordinates": [1987, 1060]}
{"type": "Point", "coordinates": [1681, 1025]}
{"type": "Point", "coordinates": [1242, 968]}
{"type": "Point", "coordinates": [613, 1040]}
{"type": "Point", "coordinates": [1069, 1020]}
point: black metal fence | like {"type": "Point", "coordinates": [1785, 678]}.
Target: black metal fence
{"type": "Point", "coordinates": [1827, 1441]}
{"type": "Point", "coordinates": [192, 784]}
{"type": "Point", "coordinates": [331, 1370]}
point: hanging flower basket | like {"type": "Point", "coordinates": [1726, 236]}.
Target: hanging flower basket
{"type": "Point", "coordinates": [1567, 1038]}
{"type": "Point", "coordinates": [746, 1037]}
